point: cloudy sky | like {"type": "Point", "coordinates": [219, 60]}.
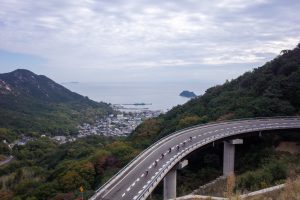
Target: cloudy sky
{"type": "Point", "coordinates": [143, 40]}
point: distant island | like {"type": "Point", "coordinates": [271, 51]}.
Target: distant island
{"type": "Point", "coordinates": [187, 94]}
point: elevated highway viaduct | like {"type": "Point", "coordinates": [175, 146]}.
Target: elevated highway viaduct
{"type": "Point", "coordinates": [138, 179]}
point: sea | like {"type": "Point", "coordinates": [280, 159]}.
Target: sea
{"type": "Point", "coordinates": [154, 96]}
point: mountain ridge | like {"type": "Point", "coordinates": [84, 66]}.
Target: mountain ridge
{"type": "Point", "coordinates": [36, 85]}
{"type": "Point", "coordinates": [37, 103]}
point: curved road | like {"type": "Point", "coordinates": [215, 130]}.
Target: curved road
{"type": "Point", "coordinates": [137, 180]}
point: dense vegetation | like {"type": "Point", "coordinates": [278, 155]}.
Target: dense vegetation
{"type": "Point", "coordinates": [43, 169]}
{"type": "Point", "coordinates": [30, 102]}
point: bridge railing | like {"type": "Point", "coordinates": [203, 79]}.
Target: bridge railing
{"type": "Point", "coordinates": [175, 134]}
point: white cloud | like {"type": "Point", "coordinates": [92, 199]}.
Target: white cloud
{"type": "Point", "coordinates": [89, 34]}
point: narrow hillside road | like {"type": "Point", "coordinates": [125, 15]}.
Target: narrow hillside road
{"type": "Point", "coordinates": [7, 160]}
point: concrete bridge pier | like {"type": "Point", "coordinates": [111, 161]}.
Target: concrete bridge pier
{"type": "Point", "coordinates": [170, 180]}
{"type": "Point", "coordinates": [228, 158]}
{"type": "Point", "coordinates": [170, 184]}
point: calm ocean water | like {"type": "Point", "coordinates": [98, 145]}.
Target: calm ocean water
{"type": "Point", "coordinates": [161, 96]}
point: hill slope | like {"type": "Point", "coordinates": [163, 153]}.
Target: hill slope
{"type": "Point", "coordinates": [33, 102]}
{"type": "Point", "coordinates": [270, 90]}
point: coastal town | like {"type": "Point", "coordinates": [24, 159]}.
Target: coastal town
{"type": "Point", "coordinates": [120, 124]}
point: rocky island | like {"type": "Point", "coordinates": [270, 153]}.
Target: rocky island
{"type": "Point", "coordinates": [187, 94]}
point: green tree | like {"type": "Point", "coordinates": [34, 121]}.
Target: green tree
{"type": "Point", "coordinates": [70, 181]}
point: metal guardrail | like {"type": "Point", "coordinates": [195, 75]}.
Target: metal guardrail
{"type": "Point", "coordinates": [175, 134]}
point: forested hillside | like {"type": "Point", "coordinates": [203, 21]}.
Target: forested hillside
{"type": "Point", "coordinates": [270, 90]}
{"type": "Point", "coordinates": [43, 169]}
{"type": "Point", "coordinates": [30, 102]}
